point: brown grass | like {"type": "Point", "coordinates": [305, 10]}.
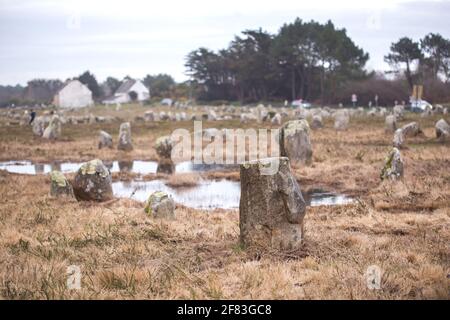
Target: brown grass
{"type": "Point", "coordinates": [401, 227]}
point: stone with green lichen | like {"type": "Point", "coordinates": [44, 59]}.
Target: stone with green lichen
{"type": "Point", "coordinates": [93, 182]}
{"type": "Point", "coordinates": [393, 167]}
{"type": "Point", "coordinates": [60, 186]}
{"type": "Point", "coordinates": [160, 205]}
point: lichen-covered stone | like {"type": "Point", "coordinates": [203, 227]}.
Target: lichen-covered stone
{"type": "Point", "coordinates": [93, 182]}
{"type": "Point", "coordinates": [393, 167]}
{"type": "Point", "coordinates": [125, 143]}
{"type": "Point", "coordinates": [160, 205]}
{"type": "Point", "coordinates": [104, 140]}
{"type": "Point", "coordinates": [295, 142]}
{"type": "Point", "coordinates": [163, 147]}
{"type": "Point", "coordinates": [60, 186]}
{"type": "Point", "coordinates": [272, 207]}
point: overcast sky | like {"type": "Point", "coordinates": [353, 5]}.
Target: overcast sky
{"type": "Point", "coordinates": [61, 39]}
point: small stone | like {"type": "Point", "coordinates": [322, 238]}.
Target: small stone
{"type": "Point", "coordinates": [163, 147]}
{"type": "Point", "coordinates": [53, 130]}
{"type": "Point", "coordinates": [442, 130]}
{"type": "Point", "coordinates": [93, 182]}
{"type": "Point", "coordinates": [38, 126]}
{"type": "Point", "coordinates": [411, 129]}
{"type": "Point", "coordinates": [317, 122]}
{"type": "Point", "coordinates": [276, 120]}
{"type": "Point", "coordinates": [149, 116]}
{"type": "Point", "coordinates": [399, 138]}
{"type": "Point", "coordinates": [60, 186]}
{"type": "Point", "coordinates": [399, 111]}
{"type": "Point", "coordinates": [393, 167]}
{"type": "Point", "coordinates": [390, 124]}
{"type": "Point", "coordinates": [295, 142]}
{"type": "Point", "coordinates": [160, 205]}
{"type": "Point", "coordinates": [341, 120]}
{"type": "Point", "coordinates": [104, 140]}
{"type": "Point", "coordinates": [125, 143]}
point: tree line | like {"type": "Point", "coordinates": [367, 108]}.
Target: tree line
{"type": "Point", "coordinates": [315, 62]}
{"type": "Point", "coordinates": [43, 90]}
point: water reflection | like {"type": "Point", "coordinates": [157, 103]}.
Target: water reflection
{"type": "Point", "coordinates": [209, 194]}
{"type": "Point", "coordinates": [136, 166]}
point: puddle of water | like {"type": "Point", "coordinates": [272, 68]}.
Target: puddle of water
{"type": "Point", "coordinates": [136, 166]}
{"type": "Point", "coordinates": [207, 195]}
{"type": "Point", "coordinates": [210, 194]}
{"type": "Point", "coordinates": [27, 167]}
{"type": "Point", "coordinates": [315, 199]}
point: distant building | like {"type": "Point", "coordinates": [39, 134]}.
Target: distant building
{"type": "Point", "coordinates": [130, 89]}
{"type": "Point", "coordinates": [73, 94]}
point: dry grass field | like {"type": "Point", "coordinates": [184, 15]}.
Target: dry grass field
{"type": "Point", "coordinates": [402, 227]}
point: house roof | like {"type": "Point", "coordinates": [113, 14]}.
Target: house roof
{"type": "Point", "coordinates": [67, 82]}
{"type": "Point", "coordinates": [126, 86]}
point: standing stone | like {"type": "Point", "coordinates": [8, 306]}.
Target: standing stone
{"type": "Point", "coordinates": [317, 122]}
{"type": "Point", "coordinates": [399, 139]}
{"type": "Point", "coordinates": [341, 120]}
{"type": "Point", "coordinates": [60, 186]}
{"type": "Point", "coordinates": [390, 124]}
{"type": "Point", "coordinates": [165, 166]}
{"type": "Point", "coordinates": [38, 126]}
{"type": "Point", "coordinates": [212, 116]}
{"type": "Point", "coordinates": [442, 130]}
{"type": "Point", "coordinates": [276, 120]}
{"type": "Point", "coordinates": [393, 167]}
{"type": "Point", "coordinates": [295, 142]}
{"type": "Point", "coordinates": [399, 111]}
{"type": "Point", "coordinates": [104, 140]}
{"type": "Point", "coordinates": [411, 129]}
{"type": "Point", "coordinates": [93, 182]}
{"type": "Point", "coordinates": [53, 130]}
{"type": "Point", "coordinates": [163, 147]}
{"type": "Point", "coordinates": [272, 207]}
{"type": "Point", "coordinates": [244, 118]}
{"type": "Point", "coordinates": [125, 137]}
{"type": "Point", "coordinates": [160, 205]}
{"type": "Point", "coordinates": [149, 116]}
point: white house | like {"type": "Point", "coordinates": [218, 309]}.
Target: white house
{"type": "Point", "coordinates": [74, 94]}
{"type": "Point", "coordinates": [124, 93]}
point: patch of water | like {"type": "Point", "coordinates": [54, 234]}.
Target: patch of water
{"type": "Point", "coordinates": [315, 199]}
{"type": "Point", "coordinates": [211, 194]}
{"type": "Point", "coordinates": [207, 194]}
{"type": "Point", "coordinates": [136, 166]}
